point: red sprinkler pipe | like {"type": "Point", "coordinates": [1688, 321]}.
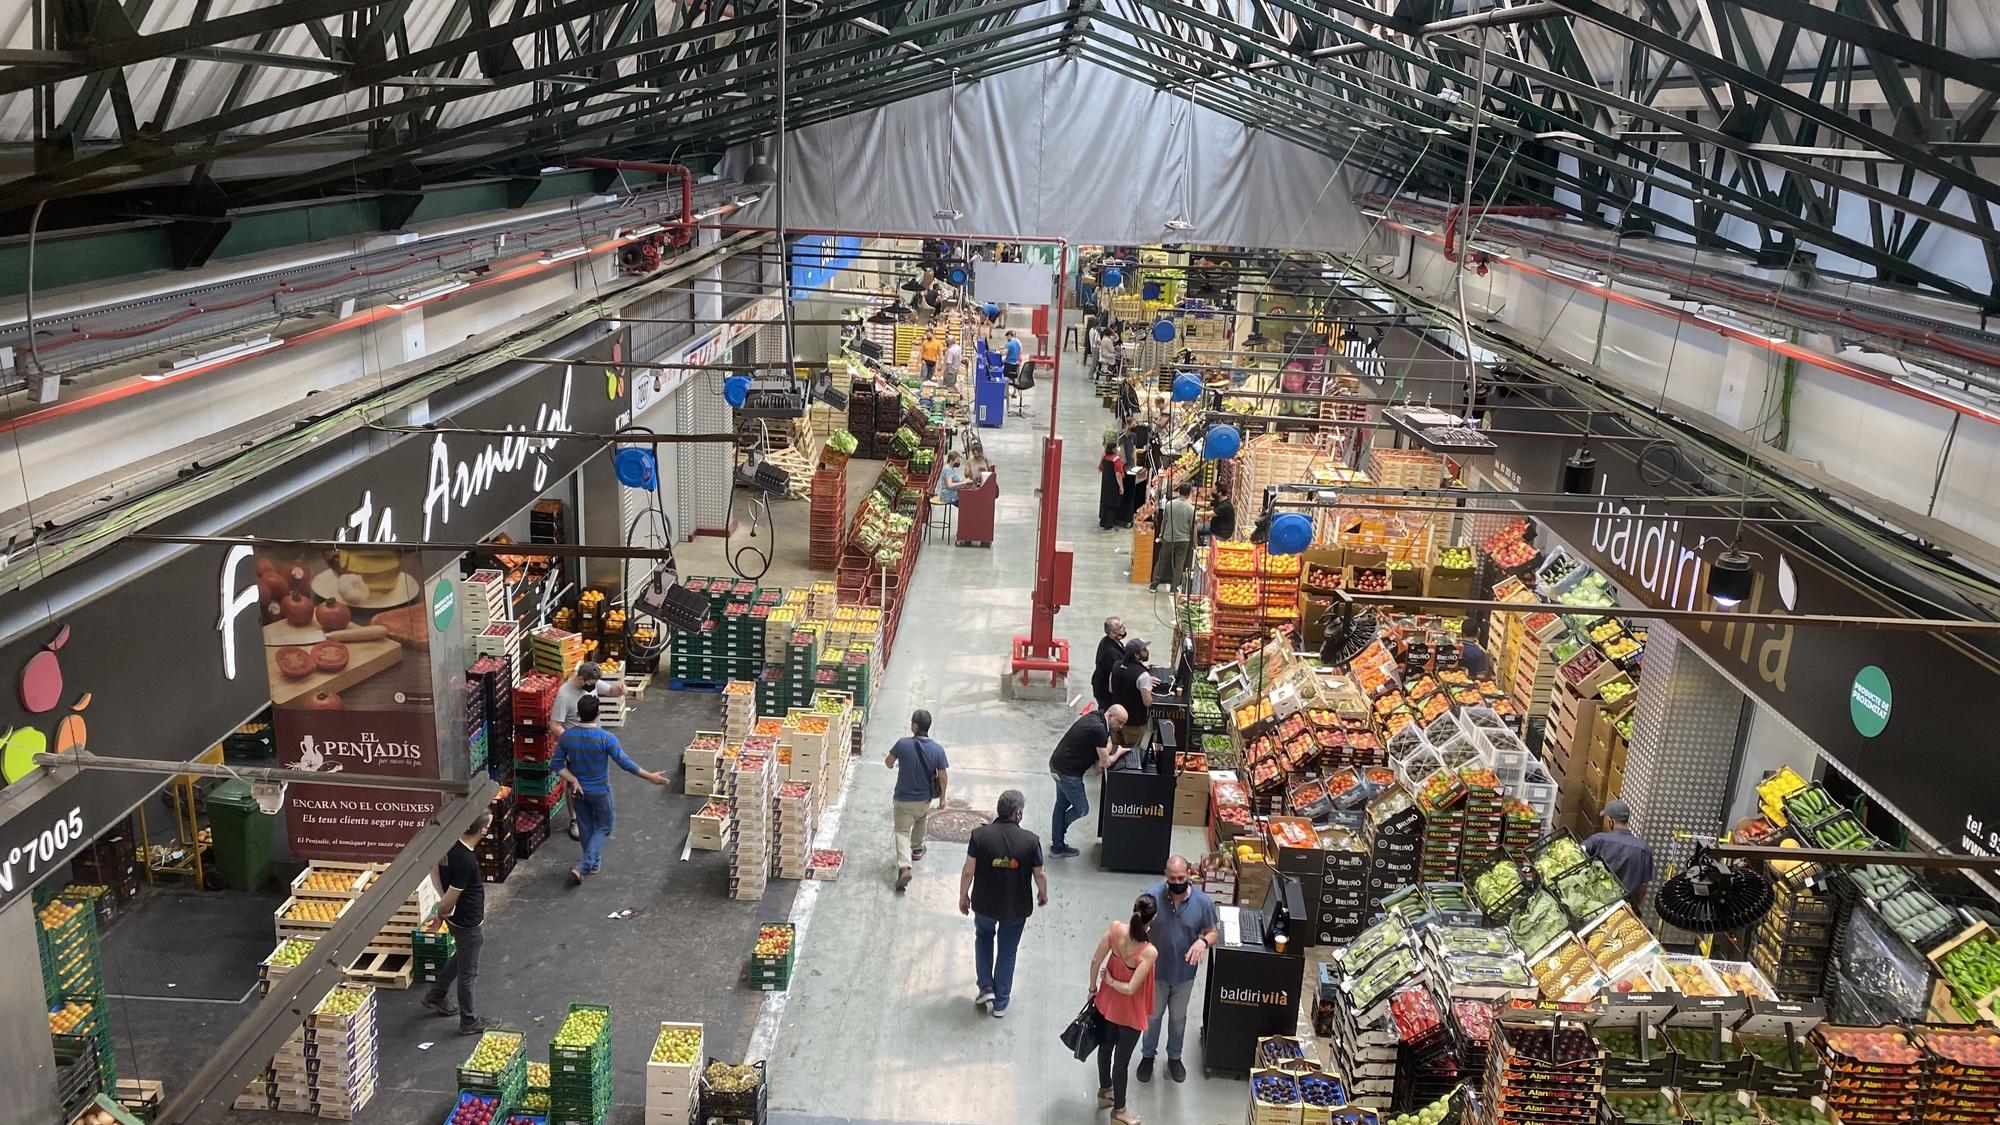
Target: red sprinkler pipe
{"type": "Point", "coordinates": [1452, 218]}
{"type": "Point", "coordinates": [685, 235]}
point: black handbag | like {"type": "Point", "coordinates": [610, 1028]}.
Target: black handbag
{"type": "Point", "coordinates": [1085, 1033]}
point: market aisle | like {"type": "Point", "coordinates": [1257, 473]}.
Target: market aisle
{"type": "Point", "coordinates": [879, 1023]}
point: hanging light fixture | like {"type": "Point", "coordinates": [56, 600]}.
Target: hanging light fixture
{"type": "Point", "coordinates": [1579, 472]}
{"type": "Point", "coordinates": [1729, 578]}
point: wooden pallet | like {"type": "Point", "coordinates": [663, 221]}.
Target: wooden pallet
{"type": "Point", "coordinates": [381, 969]}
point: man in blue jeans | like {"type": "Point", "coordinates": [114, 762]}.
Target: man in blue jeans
{"type": "Point", "coordinates": [1184, 932]}
{"type": "Point", "coordinates": [1000, 860]}
{"type": "Point", "coordinates": [583, 757]}
{"type": "Point", "coordinates": [1085, 746]}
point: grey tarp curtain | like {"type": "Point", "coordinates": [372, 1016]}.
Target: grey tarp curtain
{"type": "Point", "coordinates": [1061, 148]}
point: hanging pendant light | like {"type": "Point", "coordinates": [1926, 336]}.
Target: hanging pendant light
{"type": "Point", "coordinates": [1729, 578]}
{"type": "Point", "coordinates": [1579, 472]}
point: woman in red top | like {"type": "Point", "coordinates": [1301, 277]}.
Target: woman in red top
{"type": "Point", "coordinates": [1121, 981]}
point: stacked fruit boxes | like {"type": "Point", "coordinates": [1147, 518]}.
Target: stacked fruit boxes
{"type": "Point", "coordinates": [112, 860]}
{"type": "Point", "coordinates": [791, 683]}
{"type": "Point", "coordinates": [742, 630]}
{"type": "Point", "coordinates": [501, 640]}
{"type": "Point", "coordinates": [672, 1073]}
{"type": "Point", "coordinates": [328, 1067]}
{"type": "Point", "coordinates": [497, 851]}
{"type": "Point", "coordinates": [495, 682]}
{"type": "Point", "coordinates": [791, 843]}
{"type": "Point", "coordinates": [326, 888]}
{"type": "Point", "coordinates": [536, 786]}
{"type": "Point", "coordinates": [475, 727]}
{"type": "Point", "coordinates": [739, 710]}
{"type": "Point", "coordinates": [498, 1068]}
{"type": "Point", "coordinates": [753, 784]}
{"type": "Point", "coordinates": [1793, 942]}
{"type": "Point", "coordinates": [700, 763]}
{"type": "Point", "coordinates": [772, 957]}
{"type": "Point", "coordinates": [73, 979]}
{"type": "Point", "coordinates": [829, 517]}
{"type": "Point", "coordinates": [556, 651]}
{"type": "Point", "coordinates": [580, 1067]}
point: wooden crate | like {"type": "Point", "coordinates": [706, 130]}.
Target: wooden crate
{"type": "Point", "coordinates": [381, 969]}
{"type": "Point", "coordinates": [671, 1084]}
{"type": "Point", "coordinates": [356, 877]}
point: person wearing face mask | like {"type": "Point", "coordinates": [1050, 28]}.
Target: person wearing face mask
{"type": "Point", "coordinates": [1184, 932]}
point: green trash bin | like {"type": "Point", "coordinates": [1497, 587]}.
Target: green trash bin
{"type": "Point", "coordinates": [242, 834]}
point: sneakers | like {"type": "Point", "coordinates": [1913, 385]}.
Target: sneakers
{"type": "Point", "coordinates": [574, 878]}
{"type": "Point", "coordinates": [999, 1012]}
{"type": "Point", "coordinates": [1064, 851]}
{"type": "Point", "coordinates": [902, 879]}
{"type": "Point", "coordinates": [1176, 1071]}
{"type": "Point", "coordinates": [575, 833]}
{"type": "Point", "coordinates": [1146, 1069]}
{"type": "Point", "coordinates": [472, 1026]}
{"type": "Point", "coordinates": [916, 854]}
{"type": "Point", "coordinates": [442, 1006]}
{"type": "Point", "coordinates": [984, 998]}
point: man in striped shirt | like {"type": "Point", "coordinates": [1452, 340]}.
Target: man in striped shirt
{"type": "Point", "coordinates": [583, 757]}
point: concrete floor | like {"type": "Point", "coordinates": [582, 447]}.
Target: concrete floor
{"type": "Point", "coordinates": [879, 1023]}
{"type": "Point", "coordinates": [677, 957]}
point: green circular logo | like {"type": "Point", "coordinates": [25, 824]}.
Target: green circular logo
{"type": "Point", "coordinates": [1868, 701]}
{"type": "Point", "coordinates": [444, 600]}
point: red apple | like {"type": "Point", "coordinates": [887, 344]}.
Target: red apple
{"type": "Point", "coordinates": [298, 608]}
{"type": "Point", "coordinates": [332, 616]}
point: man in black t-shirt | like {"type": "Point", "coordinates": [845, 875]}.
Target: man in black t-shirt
{"type": "Point", "coordinates": [1001, 860]}
{"type": "Point", "coordinates": [1085, 746]}
{"type": "Point", "coordinates": [464, 905]}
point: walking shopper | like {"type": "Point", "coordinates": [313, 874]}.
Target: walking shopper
{"type": "Point", "coordinates": [1132, 690]}
{"type": "Point", "coordinates": [1184, 933]}
{"type": "Point", "coordinates": [931, 350]}
{"type": "Point", "coordinates": [1176, 540]}
{"type": "Point", "coordinates": [588, 679]}
{"type": "Point", "coordinates": [921, 775]}
{"type": "Point", "coordinates": [1085, 747]}
{"type": "Point", "coordinates": [462, 902]}
{"type": "Point", "coordinates": [1110, 651]}
{"type": "Point", "coordinates": [583, 757]}
{"type": "Point", "coordinates": [954, 362]}
{"type": "Point", "coordinates": [1110, 488]}
{"type": "Point", "coordinates": [1121, 982]}
{"type": "Point", "coordinates": [1001, 860]}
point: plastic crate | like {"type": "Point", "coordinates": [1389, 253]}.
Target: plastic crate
{"type": "Point", "coordinates": [512, 1074]}
{"type": "Point", "coordinates": [566, 1061]}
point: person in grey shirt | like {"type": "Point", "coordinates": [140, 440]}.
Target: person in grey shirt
{"type": "Point", "coordinates": [1176, 539]}
{"type": "Point", "coordinates": [588, 679]}
{"type": "Point", "coordinates": [1184, 932]}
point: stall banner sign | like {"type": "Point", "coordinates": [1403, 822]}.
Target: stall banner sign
{"type": "Point", "coordinates": [351, 822]}
{"type": "Point", "coordinates": [166, 657]}
{"type": "Point", "coordinates": [653, 384]}
{"type": "Point", "coordinates": [1911, 744]}
{"type": "Point", "coordinates": [346, 642]}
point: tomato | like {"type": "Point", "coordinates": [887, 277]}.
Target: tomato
{"type": "Point", "coordinates": [329, 656]}
{"type": "Point", "coordinates": [296, 663]}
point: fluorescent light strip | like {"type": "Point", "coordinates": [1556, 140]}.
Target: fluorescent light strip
{"type": "Point", "coordinates": [232, 351]}
{"type": "Point", "coordinates": [1580, 279]}
{"type": "Point", "coordinates": [411, 300]}
{"type": "Point", "coordinates": [1759, 333]}
{"type": "Point", "coordinates": [641, 232]}
{"type": "Point", "coordinates": [563, 254]}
